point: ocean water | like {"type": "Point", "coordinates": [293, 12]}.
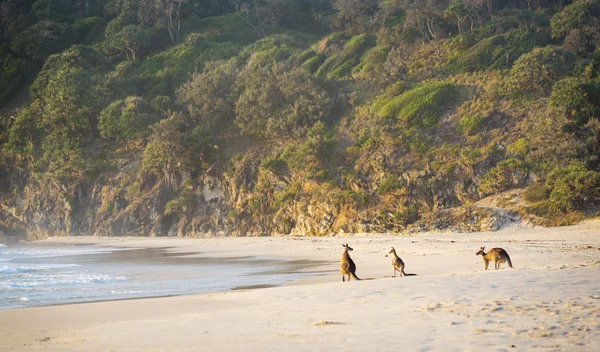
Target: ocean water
{"type": "Point", "coordinates": [39, 275]}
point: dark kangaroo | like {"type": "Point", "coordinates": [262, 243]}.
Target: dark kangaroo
{"type": "Point", "coordinates": [347, 266]}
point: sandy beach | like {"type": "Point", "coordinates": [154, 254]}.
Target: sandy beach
{"type": "Point", "coordinates": [550, 300]}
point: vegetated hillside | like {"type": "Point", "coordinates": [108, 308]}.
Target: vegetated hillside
{"type": "Point", "coordinates": [307, 117]}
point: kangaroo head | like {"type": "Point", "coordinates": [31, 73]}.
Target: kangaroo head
{"type": "Point", "coordinates": [480, 252]}
{"type": "Point", "coordinates": [348, 248]}
{"type": "Point", "coordinates": [393, 250]}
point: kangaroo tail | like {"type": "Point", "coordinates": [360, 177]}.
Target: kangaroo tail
{"type": "Point", "coordinates": [508, 259]}
{"type": "Point", "coordinates": [410, 274]}
{"type": "Point", "coordinates": [354, 276]}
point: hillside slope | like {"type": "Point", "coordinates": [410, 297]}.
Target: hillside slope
{"type": "Point", "coordinates": [321, 120]}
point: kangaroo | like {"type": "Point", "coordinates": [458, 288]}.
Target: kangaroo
{"type": "Point", "coordinates": [397, 263]}
{"type": "Point", "coordinates": [498, 255]}
{"type": "Point", "coordinates": [347, 266]}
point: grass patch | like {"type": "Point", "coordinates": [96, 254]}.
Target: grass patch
{"type": "Point", "coordinates": [421, 106]}
{"type": "Point", "coordinates": [470, 124]}
{"type": "Point", "coordinates": [340, 65]}
{"type": "Point", "coordinates": [497, 52]}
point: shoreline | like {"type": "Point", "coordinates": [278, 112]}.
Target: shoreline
{"type": "Point", "coordinates": [550, 298]}
{"type": "Point", "coordinates": [146, 272]}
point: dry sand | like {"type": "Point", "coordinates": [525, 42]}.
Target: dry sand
{"type": "Point", "coordinates": [549, 301]}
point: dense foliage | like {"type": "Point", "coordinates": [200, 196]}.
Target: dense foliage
{"type": "Point", "coordinates": [383, 109]}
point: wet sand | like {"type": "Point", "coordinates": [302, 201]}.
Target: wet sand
{"type": "Point", "coordinates": [549, 301]}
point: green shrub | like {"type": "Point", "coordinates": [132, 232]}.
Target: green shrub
{"type": "Point", "coordinates": [52, 9]}
{"type": "Point", "coordinates": [177, 146]}
{"type": "Point", "coordinates": [409, 214]}
{"type": "Point", "coordinates": [572, 188]}
{"type": "Point", "coordinates": [165, 72]}
{"type": "Point", "coordinates": [26, 128]}
{"type": "Point", "coordinates": [14, 74]}
{"type": "Point", "coordinates": [132, 41]}
{"type": "Point", "coordinates": [507, 174]}
{"type": "Point", "coordinates": [391, 91]}
{"type": "Point", "coordinates": [421, 106]}
{"type": "Point", "coordinates": [518, 148]}
{"type": "Point", "coordinates": [539, 69]}
{"type": "Point", "coordinates": [389, 185]}
{"type": "Point", "coordinates": [288, 193]}
{"type": "Point", "coordinates": [311, 155]}
{"type": "Point", "coordinates": [470, 124]}
{"type": "Point", "coordinates": [342, 70]}
{"type": "Point", "coordinates": [70, 88]}
{"type": "Point", "coordinates": [88, 29]}
{"type": "Point", "coordinates": [580, 17]}
{"type": "Point", "coordinates": [43, 39]}
{"type": "Point", "coordinates": [276, 101]}
{"type": "Point", "coordinates": [61, 158]}
{"type": "Point", "coordinates": [304, 55]}
{"type": "Point", "coordinates": [578, 100]}
{"type": "Point", "coordinates": [220, 29]}
{"type": "Point", "coordinates": [209, 96]}
{"type": "Point", "coordinates": [372, 63]}
{"type": "Point", "coordinates": [126, 119]}
{"type": "Point", "coordinates": [270, 56]}
{"type": "Point", "coordinates": [162, 105]}
{"type": "Point", "coordinates": [312, 64]}
{"type": "Point", "coordinates": [537, 192]}
{"type": "Point", "coordinates": [274, 164]}
{"type": "Point", "coordinates": [184, 200]}
{"type": "Point", "coordinates": [340, 64]}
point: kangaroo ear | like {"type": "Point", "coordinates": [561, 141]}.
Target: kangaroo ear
{"type": "Point", "coordinates": [482, 248]}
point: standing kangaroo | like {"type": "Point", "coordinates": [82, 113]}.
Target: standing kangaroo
{"type": "Point", "coordinates": [498, 255]}
{"type": "Point", "coordinates": [397, 263]}
{"type": "Point", "coordinates": [347, 266]}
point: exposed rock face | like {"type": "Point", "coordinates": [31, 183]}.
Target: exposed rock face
{"type": "Point", "coordinates": [466, 219]}
{"type": "Point", "coordinates": [244, 200]}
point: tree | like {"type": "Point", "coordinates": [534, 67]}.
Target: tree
{"type": "Point", "coordinates": [177, 146]}
{"type": "Point", "coordinates": [53, 10]}
{"type": "Point", "coordinates": [89, 8]}
{"type": "Point", "coordinates": [14, 73]}
{"type": "Point", "coordinates": [461, 12]}
{"type": "Point", "coordinates": [9, 13]}
{"type": "Point", "coordinates": [209, 95]}
{"type": "Point", "coordinates": [125, 18]}
{"type": "Point", "coordinates": [132, 41]}
{"type": "Point", "coordinates": [208, 8]}
{"type": "Point", "coordinates": [580, 17]}
{"type": "Point", "coordinates": [70, 90]}
{"type": "Point", "coordinates": [257, 18]}
{"type": "Point", "coordinates": [424, 16]}
{"type": "Point", "coordinates": [274, 101]}
{"type": "Point", "coordinates": [320, 8]}
{"type": "Point", "coordinates": [356, 16]}
{"type": "Point", "coordinates": [482, 7]}
{"type": "Point", "coordinates": [42, 39]}
{"type": "Point", "coordinates": [169, 13]}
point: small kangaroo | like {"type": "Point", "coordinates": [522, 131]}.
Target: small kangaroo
{"type": "Point", "coordinates": [347, 266]}
{"type": "Point", "coordinates": [498, 255]}
{"type": "Point", "coordinates": [397, 263]}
